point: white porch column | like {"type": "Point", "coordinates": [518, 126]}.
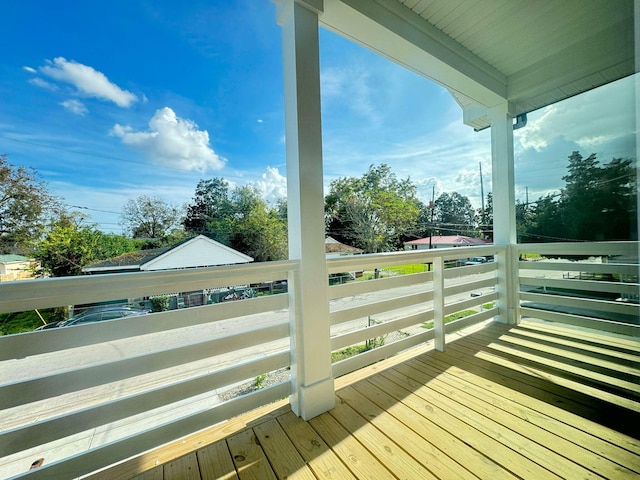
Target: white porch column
{"type": "Point", "coordinates": [504, 211]}
{"type": "Point", "coordinates": [312, 379]}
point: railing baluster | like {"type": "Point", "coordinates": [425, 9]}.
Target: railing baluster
{"type": "Point", "coordinates": [438, 303]}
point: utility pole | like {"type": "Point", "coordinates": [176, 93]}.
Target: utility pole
{"type": "Point", "coordinates": [481, 190]}
{"type": "Point", "coordinates": [483, 215]}
{"type": "Point", "coordinates": [432, 206]}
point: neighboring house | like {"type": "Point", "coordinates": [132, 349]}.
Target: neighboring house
{"type": "Point", "coordinates": [195, 252]}
{"type": "Point", "coordinates": [16, 267]}
{"type": "Point", "coordinates": [444, 241]}
{"type": "Point", "coordinates": [334, 248]}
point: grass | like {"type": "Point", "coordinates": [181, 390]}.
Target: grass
{"type": "Point", "coordinates": [261, 381]}
{"type": "Point", "coordinates": [348, 352]}
{"type": "Point", "coordinates": [451, 318]}
{"type": "Point", "coordinates": [21, 322]}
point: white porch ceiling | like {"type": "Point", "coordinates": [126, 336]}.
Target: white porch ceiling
{"type": "Point", "coordinates": [530, 52]}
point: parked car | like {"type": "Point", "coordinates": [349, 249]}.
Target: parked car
{"type": "Point", "coordinates": [109, 313]}
{"type": "Point", "coordinates": [476, 261]}
{"type": "Point", "coordinates": [47, 326]}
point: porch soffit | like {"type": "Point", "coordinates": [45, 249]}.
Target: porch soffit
{"type": "Point", "coordinates": [531, 53]}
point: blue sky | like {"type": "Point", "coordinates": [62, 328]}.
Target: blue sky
{"type": "Point", "coordinates": [113, 100]}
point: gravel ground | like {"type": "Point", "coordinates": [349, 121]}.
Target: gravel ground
{"type": "Point", "coordinates": [276, 376]}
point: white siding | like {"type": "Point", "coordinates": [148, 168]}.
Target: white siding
{"type": "Point", "coordinates": [198, 252]}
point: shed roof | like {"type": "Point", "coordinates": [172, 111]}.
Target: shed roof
{"type": "Point", "coordinates": [199, 251]}
{"type": "Point", "coordinates": [458, 240]}
{"type": "Point", "coordinates": [11, 258]}
{"type": "Point", "coordinates": [331, 245]}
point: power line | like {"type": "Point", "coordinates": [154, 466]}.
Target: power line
{"type": "Point", "coordinates": [92, 209]}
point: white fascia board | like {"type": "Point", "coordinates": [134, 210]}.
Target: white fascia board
{"type": "Point", "coordinates": [395, 32]}
{"type": "Point", "coordinates": [114, 268]}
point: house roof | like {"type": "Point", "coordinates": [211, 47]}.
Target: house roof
{"type": "Point", "coordinates": [331, 245]}
{"type": "Point", "coordinates": [10, 258]}
{"type": "Point", "coordinates": [199, 251]}
{"type": "Point", "coordinates": [457, 240]}
{"type": "Point", "coordinates": [531, 53]}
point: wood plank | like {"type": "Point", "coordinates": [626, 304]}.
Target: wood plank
{"type": "Point", "coordinates": [190, 443]}
{"type": "Point", "coordinates": [623, 356]}
{"type": "Point", "coordinates": [183, 468]}
{"type": "Point", "coordinates": [517, 404]}
{"type": "Point", "coordinates": [315, 452]}
{"type": "Point", "coordinates": [216, 463]}
{"type": "Point", "coordinates": [496, 444]}
{"type": "Point", "coordinates": [418, 447]}
{"type": "Point", "coordinates": [358, 459]}
{"type": "Point", "coordinates": [385, 450]}
{"type": "Point", "coordinates": [574, 351]}
{"type": "Point", "coordinates": [283, 456]}
{"type": "Point", "coordinates": [156, 473]}
{"type": "Point", "coordinates": [592, 369]}
{"type": "Point", "coordinates": [552, 378]}
{"type": "Point", "coordinates": [562, 449]}
{"type": "Point", "coordinates": [540, 395]}
{"type": "Point", "coordinates": [602, 338]}
{"type": "Point", "coordinates": [471, 460]}
{"type": "Point", "coordinates": [250, 461]}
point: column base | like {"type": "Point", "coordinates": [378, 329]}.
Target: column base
{"type": "Point", "coordinates": [313, 400]}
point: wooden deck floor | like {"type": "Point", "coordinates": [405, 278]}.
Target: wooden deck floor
{"type": "Point", "coordinates": [530, 401]}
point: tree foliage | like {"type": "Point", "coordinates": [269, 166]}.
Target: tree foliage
{"type": "Point", "coordinates": [209, 205]}
{"type": "Point", "coordinates": [373, 212]}
{"type": "Point", "coordinates": [454, 215]}
{"type": "Point", "coordinates": [240, 219]}
{"type": "Point", "coordinates": [598, 203]}
{"type": "Point", "coordinates": [71, 244]}
{"type": "Point", "coordinates": [152, 219]}
{"type": "Point", "coordinates": [26, 206]}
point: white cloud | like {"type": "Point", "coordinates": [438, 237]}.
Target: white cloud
{"type": "Point", "coordinates": [87, 80]}
{"type": "Point", "coordinates": [172, 141]}
{"type": "Point", "coordinates": [75, 106]}
{"type": "Point", "coordinates": [29, 69]}
{"type": "Point", "coordinates": [590, 120]}
{"type": "Point", "coordinates": [349, 87]}
{"type": "Point", "coordinates": [39, 82]}
{"type": "Point", "coordinates": [272, 185]}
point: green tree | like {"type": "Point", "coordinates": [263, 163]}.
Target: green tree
{"type": "Point", "coordinates": [258, 230]}
{"type": "Point", "coordinates": [151, 218]}
{"type": "Point", "coordinates": [598, 203]}
{"type": "Point", "coordinates": [26, 207]}
{"type": "Point", "coordinates": [373, 212]}
{"type": "Point", "coordinates": [209, 209]}
{"type": "Point", "coordinates": [454, 215]}
{"type": "Point", "coordinates": [71, 243]}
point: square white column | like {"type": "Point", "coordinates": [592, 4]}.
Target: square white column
{"type": "Point", "coordinates": [312, 380]}
{"type": "Point", "coordinates": [504, 211]}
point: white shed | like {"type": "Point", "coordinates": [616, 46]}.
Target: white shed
{"type": "Point", "coordinates": [195, 252]}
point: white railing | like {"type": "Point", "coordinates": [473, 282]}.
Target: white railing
{"type": "Point", "coordinates": [598, 288]}
{"type": "Point", "coordinates": [397, 311]}
{"type": "Point", "coordinates": [89, 396]}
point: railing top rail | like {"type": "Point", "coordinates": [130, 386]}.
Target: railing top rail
{"type": "Point", "coordinates": [628, 248]}
{"type": "Point", "coordinates": [54, 292]}
{"type": "Point", "coordinates": [355, 262]}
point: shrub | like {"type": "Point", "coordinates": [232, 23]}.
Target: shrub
{"type": "Point", "coordinates": [160, 303]}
